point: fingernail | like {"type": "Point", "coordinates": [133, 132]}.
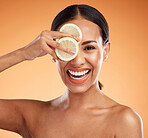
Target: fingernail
{"type": "Point", "coordinates": [72, 52]}
{"type": "Point", "coordinates": [78, 38]}
{"type": "Point", "coordinates": [53, 60]}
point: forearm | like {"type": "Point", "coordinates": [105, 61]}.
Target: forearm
{"type": "Point", "coordinates": [11, 59]}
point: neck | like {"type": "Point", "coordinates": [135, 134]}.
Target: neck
{"type": "Point", "coordinates": [89, 98]}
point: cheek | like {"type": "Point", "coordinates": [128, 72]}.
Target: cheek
{"type": "Point", "coordinates": [95, 59]}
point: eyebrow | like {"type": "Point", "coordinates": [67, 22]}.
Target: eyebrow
{"type": "Point", "coordinates": [90, 41]}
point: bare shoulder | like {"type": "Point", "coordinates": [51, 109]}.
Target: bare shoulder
{"type": "Point", "coordinates": [29, 108]}
{"type": "Point", "coordinates": [31, 102]}
{"type": "Point", "coordinates": [29, 105]}
{"type": "Point", "coordinates": [21, 104]}
{"type": "Point", "coordinates": [128, 122]}
{"type": "Point", "coordinates": [129, 116]}
{"type": "Point", "coordinates": [24, 103]}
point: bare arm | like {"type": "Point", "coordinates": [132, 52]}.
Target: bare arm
{"type": "Point", "coordinates": [11, 59]}
{"type": "Point", "coordinates": [12, 111]}
{"type": "Point", "coordinates": [41, 46]}
{"type": "Point", "coordinates": [10, 117]}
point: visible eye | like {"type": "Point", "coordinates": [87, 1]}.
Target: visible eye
{"type": "Point", "coordinates": [89, 48]}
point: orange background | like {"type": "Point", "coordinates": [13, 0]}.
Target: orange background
{"type": "Point", "coordinates": [124, 75]}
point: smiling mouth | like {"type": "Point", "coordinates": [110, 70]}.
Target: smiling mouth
{"type": "Point", "coordinates": [78, 76]}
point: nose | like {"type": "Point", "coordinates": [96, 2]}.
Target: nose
{"type": "Point", "coordinates": [79, 60]}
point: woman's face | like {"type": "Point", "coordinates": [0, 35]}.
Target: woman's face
{"type": "Point", "coordinates": [88, 61]}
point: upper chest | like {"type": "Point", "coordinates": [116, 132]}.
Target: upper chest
{"type": "Point", "coordinates": [75, 124]}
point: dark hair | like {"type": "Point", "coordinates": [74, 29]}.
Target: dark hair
{"type": "Point", "coordinates": [87, 12]}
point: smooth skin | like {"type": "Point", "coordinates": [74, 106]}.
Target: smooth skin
{"type": "Point", "coordinates": [83, 111]}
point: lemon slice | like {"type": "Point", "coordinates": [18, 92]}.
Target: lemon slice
{"type": "Point", "coordinates": [69, 43]}
{"type": "Point", "coordinates": [71, 29]}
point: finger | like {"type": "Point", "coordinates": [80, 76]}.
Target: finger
{"type": "Point", "coordinates": [50, 51]}
{"type": "Point", "coordinates": [55, 44]}
{"type": "Point", "coordinates": [77, 38]}
{"type": "Point", "coordinates": [54, 34]}
{"type": "Point", "coordinates": [57, 35]}
{"type": "Point", "coordinates": [61, 34]}
{"type": "Point", "coordinates": [53, 59]}
{"type": "Point", "coordinates": [54, 56]}
{"type": "Point", "coordinates": [47, 49]}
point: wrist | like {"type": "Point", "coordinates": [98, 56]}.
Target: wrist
{"type": "Point", "coordinates": [20, 54]}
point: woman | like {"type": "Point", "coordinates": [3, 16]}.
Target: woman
{"type": "Point", "coordinates": [83, 111]}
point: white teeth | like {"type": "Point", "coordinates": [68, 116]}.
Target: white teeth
{"type": "Point", "coordinates": [78, 73]}
{"type": "Point", "coordinates": [78, 78]}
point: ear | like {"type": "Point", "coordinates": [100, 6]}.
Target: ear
{"type": "Point", "coordinates": [106, 51]}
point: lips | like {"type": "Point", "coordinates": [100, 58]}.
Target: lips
{"type": "Point", "coordinates": [78, 75]}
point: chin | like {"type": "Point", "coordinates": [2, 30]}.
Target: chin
{"type": "Point", "coordinates": [78, 89]}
